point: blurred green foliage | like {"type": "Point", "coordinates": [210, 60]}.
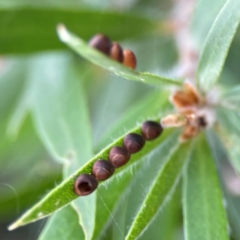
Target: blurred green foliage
{"type": "Point", "coordinates": [45, 86]}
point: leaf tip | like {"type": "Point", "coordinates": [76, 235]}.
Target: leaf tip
{"type": "Point", "coordinates": [63, 33]}
{"type": "Point", "coordinates": [13, 226]}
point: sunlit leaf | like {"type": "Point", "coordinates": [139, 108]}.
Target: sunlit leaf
{"type": "Point", "coordinates": [204, 214]}
{"type": "Point", "coordinates": [82, 48]}
{"type": "Point", "coordinates": [217, 44]}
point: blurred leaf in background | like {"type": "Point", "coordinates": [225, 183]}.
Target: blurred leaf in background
{"type": "Point", "coordinates": [57, 111]}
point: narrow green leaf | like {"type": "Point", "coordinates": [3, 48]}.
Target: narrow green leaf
{"type": "Point", "coordinates": [228, 131]}
{"type": "Point", "coordinates": [63, 225]}
{"type": "Point", "coordinates": [161, 190]}
{"type": "Point", "coordinates": [167, 221]}
{"type": "Point", "coordinates": [63, 193]}
{"type": "Point", "coordinates": [39, 33]}
{"type": "Point", "coordinates": [59, 107]}
{"type": "Point", "coordinates": [200, 28]}
{"type": "Point", "coordinates": [231, 99]}
{"type": "Point", "coordinates": [233, 208]}
{"type": "Point", "coordinates": [217, 44]}
{"type": "Point", "coordinates": [204, 214]}
{"type": "Point", "coordinates": [112, 201]}
{"type": "Point", "coordinates": [228, 119]}
{"type": "Point", "coordinates": [93, 55]}
{"type": "Point", "coordinates": [227, 177]}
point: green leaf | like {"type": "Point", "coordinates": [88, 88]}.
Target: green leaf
{"type": "Point", "coordinates": [217, 44]}
{"type": "Point", "coordinates": [230, 99]}
{"type": "Point", "coordinates": [110, 201]}
{"type": "Point", "coordinates": [60, 111]}
{"type": "Point", "coordinates": [204, 214]}
{"type": "Point", "coordinates": [63, 225]}
{"type": "Point", "coordinates": [228, 178]}
{"type": "Point", "coordinates": [167, 220]}
{"type": "Point", "coordinates": [61, 116]}
{"type": "Point", "coordinates": [63, 193]}
{"type": "Point", "coordinates": [93, 55]}
{"type": "Point", "coordinates": [228, 130]}
{"type": "Point", "coordinates": [59, 107]}
{"type": "Point", "coordinates": [20, 188]}
{"type": "Point", "coordinates": [146, 168]}
{"type": "Point", "coordinates": [228, 119]}
{"type": "Point", "coordinates": [200, 28]}
{"type": "Point", "coordinates": [71, 4]}
{"type": "Point", "coordinates": [19, 35]}
{"type": "Point", "coordinates": [12, 83]}
{"type": "Point", "coordinates": [160, 191]}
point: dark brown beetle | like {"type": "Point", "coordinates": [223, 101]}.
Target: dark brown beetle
{"type": "Point", "coordinates": [118, 156]}
{"type": "Point", "coordinates": [116, 52]}
{"type": "Point", "coordinates": [102, 169]}
{"type": "Point", "coordinates": [133, 142]}
{"type": "Point", "coordinates": [129, 59]}
{"type": "Point", "coordinates": [85, 184]}
{"type": "Point", "coordinates": [101, 42]}
{"type": "Point", "coordinates": [151, 130]}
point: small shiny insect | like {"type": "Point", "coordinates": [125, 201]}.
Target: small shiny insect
{"type": "Point", "coordinates": [85, 184]}
{"type": "Point", "coordinates": [101, 42]}
{"type": "Point", "coordinates": [113, 50]}
{"type": "Point", "coordinates": [133, 142]}
{"type": "Point", "coordinates": [129, 59]}
{"type": "Point", "coordinates": [151, 130]}
{"type": "Point", "coordinates": [116, 52]}
{"type": "Point", "coordinates": [118, 156]}
{"type": "Point", "coordinates": [102, 169]}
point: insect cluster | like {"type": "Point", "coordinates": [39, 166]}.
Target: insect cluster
{"type": "Point", "coordinates": [113, 50]}
{"type": "Point", "coordinates": [192, 115]}
{"type": "Point", "coordinates": [118, 156]}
